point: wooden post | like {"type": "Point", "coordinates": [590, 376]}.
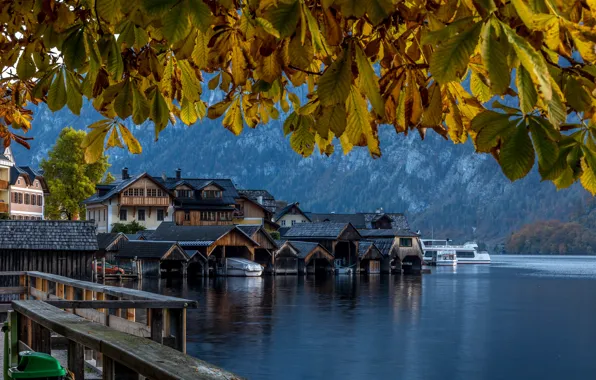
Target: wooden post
{"type": "Point", "coordinates": [14, 339]}
{"type": "Point", "coordinates": [178, 325]}
{"type": "Point", "coordinates": [131, 314]}
{"type": "Point", "coordinates": [41, 341]}
{"type": "Point", "coordinates": [23, 283]}
{"type": "Point", "coordinates": [103, 270]}
{"type": "Point", "coordinates": [69, 295]}
{"type": "Point", "coordinates": [94, 271]}
{"type": "Point", "coordinates": [155, 316]}
{"type": "Point", "coordinates": [24, 333]}
{"type": "Point", "coordinates": [108, 369]}
{"type": "Point", "coordinates": [76, 359]}
{"type": "Point", "coordinates": [60, 290]}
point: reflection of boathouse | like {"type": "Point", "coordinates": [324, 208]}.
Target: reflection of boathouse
{"type": "Point", "coordinates": [301, 257]}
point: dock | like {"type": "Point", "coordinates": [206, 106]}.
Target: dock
{"type": "Point", "coordinates": [125, 333]}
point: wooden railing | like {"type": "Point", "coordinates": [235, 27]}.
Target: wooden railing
{"type": "Point", "coordinates": [3, 207]}
{"type": "Point", "coordinates": [3, 184]}
{"type": "Point", "coordinates": [144, 201]}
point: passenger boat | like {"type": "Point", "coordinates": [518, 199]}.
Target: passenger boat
{"type": "Point", "coordinates": [465, 254]}
{"type": "Point", "coordinates": [445, 258]}
{"type": "Point", "coordinates": [239, 267]}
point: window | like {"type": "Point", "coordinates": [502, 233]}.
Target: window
{"type": "Point", "coordinates": [123, 215]}
{"type": "Point", "coordinates": [33, 200]}
{"type": "Point", "coordinates": [208, 215]}
{"type": "Point", "coordinates": [15, 197]}
{"type": "Point", "coordinates": [405, 242]}
{"type": "Point", "coordinates": [160, 215]}
{"type": "Point", "coordinates": [27, 201]}
{"type": "Point", "coordinates": [283, 223]}
{"type": "Point", "coordinates": [36, 183]}
{"type": "Point", "coordinates": [211, 194]}
{"type": "Point", "coordinates": [225, 215]}
{"type": "Point", "coordinates": [141, 215]}
{"type": "Point", "coordinates": [21, 198]}
{"type": "Point", "coordinates": [293, 222]}
{"type": "Point", "coordinates": [187, 216]}
{"type": "Point", "coordinates": [161, 193]}
{"type": "Point", "coordinates": [18, 181]}
{"type": "Point", "coordinates": [104, 214]}
{"type": "Point", "coordinates": [39, 200]}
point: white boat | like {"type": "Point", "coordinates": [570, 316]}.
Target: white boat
{"type": "Point", "coordinates": [341, 269]}
{"type": "Point", "coordinates": [445, 258]}
{"type": "Point", "coordinates": [465, 254]}
{"type": "Point", "coordinates": [239, 267]}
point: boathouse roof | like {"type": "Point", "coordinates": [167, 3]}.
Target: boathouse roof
{"type": "Point", "coordinates": [48, 235]}
{"type": "Point", "coordinates": [152, 250]}
{"type": "Point", "coordinates": [324, 230]}
{"type": "Point", "coordinates": [368, 249]}
{"type": "Point", "coordinates": [387, 233]}
{"type": "Point", "coordinates": [109, 241]}
{"type": "Point", "coordinates": [362, 219]}
{"type": "Point", "coordinates": [193, 235]}
{"type": "Point", "coordinates": [384, 245]}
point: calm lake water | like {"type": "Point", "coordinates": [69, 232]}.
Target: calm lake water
{"type": "Point", "coordinates": [521, 317]}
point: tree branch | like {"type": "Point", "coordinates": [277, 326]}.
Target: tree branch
{"type": "Point", "coordinates": [304, 71]}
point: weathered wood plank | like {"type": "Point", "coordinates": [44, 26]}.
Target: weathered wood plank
{"type": "Point", "coordinates": [76, 359]}
{"type": "Point", "coordinates": [121, 304]}
{"type": "Point", "coordinates": [13, 290]}
{"type": "Point", "coordinates": [41, 338]}
{"type": "Point", "coordinates": [156, 320]}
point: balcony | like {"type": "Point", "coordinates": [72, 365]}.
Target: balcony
{"type": "Point", "coordinates": [3, 184]}
{"type": "Point", "coordinates": [144, 201]}
{"type": "Point", "coordinates": [3, 207]}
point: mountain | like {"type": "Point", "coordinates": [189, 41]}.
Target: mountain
{"type": "Point", "coordinates": [446, 190]}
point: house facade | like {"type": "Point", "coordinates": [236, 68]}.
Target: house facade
{"type": "Point", "coordinates": [22, 190]}
{"type": "Point", "coordinates": [291, 215]}
{"type": "Point", "coordinates": [140, 198]}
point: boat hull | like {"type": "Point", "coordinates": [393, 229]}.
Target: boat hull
{"type": "Point", "coordinates": [243, 273]}
{"type": "Point", "coordinates": [473, 261]}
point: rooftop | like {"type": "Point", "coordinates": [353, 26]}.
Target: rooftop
{"type": "Point", "coordinates": [46, 235]}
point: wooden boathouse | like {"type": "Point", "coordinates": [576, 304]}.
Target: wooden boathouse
{"type": "Point", "coordinates": [369, 257]}
{"type": "Point", "coordinates": [404, 252]}
{"type": "Point", "coordinates": [265, 252]}
{"type": "Point", "coordinates": [109, 244]}
{"type": "Point", "coordinates": [340, 239]}
{"type": "Point", "coordinates": [214, 243]}
{"type": "Point", "coordinates": [153, 258]}
{"type": "Point", "coordinates": [302, 257]}
{"type": "Point", "coordinates": [62, 247]}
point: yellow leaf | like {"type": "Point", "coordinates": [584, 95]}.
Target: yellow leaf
{"type": "Point", "coordinates": [368, 82]}
{"type": "Point", "coordinates": [218, 109]}
{"type": "Point", "coordinates": [334, 84]}
{"type": "Point", "coordinates": [114, 139]}
{"type": "Point", "coordinates": [188, 112]}
{"type": "Point", "coordinates": [191, 85]}
{"type": "Point", "coordinates": [269, 68]}
{"type": "Point", "coordinates": [239, 66]}
{"type": "Point", "coordinates": [233, 118]}
{"type": "Point", "coordinates": [131, 142]}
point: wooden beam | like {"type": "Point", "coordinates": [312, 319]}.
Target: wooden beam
{"type": "Point", "coordinates": [108, 372]}
{"type": "Point", "coordinates": [156, 320]}
{"type": "Point", "coordinates": [41, 339]}
{"type": "Point", "coordinates": [13, 290]}
{"type": "Point", "coordinates": [76, 359]}
{"type": "Point", "coordinates": [118, 304]}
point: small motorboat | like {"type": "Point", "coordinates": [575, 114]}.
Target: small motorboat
{"type": "Point", "coordinates": [340, 268]}
{"type": "Point", "coordinates": [239, 267]}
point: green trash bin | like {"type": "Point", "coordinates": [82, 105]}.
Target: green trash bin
{"type": "Point", "coordinates": [37, 365]}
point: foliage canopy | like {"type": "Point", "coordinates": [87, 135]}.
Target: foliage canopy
{"type": "Point", "coordinates": [128, 228]}
{"type": "Point", "coordinates": [70, 178]}
{"type": "Point", "coordinates": [362, 63]}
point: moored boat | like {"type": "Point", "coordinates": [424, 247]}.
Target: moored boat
{"type": "Point", "coordinates": [465, 254]}
{"type": "Point", "coordinates": [239, 267]}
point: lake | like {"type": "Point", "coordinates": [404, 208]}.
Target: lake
{"type": "Point", "coordinates": [520, 317]}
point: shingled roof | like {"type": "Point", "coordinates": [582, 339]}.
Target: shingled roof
{"type": "Point", "coordinates": [384, 245]}
{"type": "Point", "coordinates": [229, 193]}
{"type": "Point", "coordinates": [115, 187]}
{"type": "Point", "coordinates": [268, 200]}
{"type": "Point", "coordinates": [303, 248]}
{"type": "Point", "coordinates": [324, 230]}
{"type": "Point", "coordinates": [362, 219]}
{"type": "Point", "coordinates": [387, 233]}
{"type": "Point", "coordinates": [364, 247]}
{"type": "Point", "coordinates": [46, 235]}
{"type": "Point", "coordinates": [287, 209]}
{"type": "Point", "coordinates": [105, 241]}
{"type": "Point", "coordinates": [150, 249]}
{"type": "Point", "coordinates": [195, 235]}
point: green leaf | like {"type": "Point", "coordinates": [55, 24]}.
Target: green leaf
{"type": "Point", "coordinates": [74, 98]}
{"type": "Point", "coordinates": [526, 90]}
{"type": "Point", "coordinates": [301, 56]}
{"type": "Point", "coordinates": [379, 10]}
{"type": "Point", "coordinates": [302, 139]}
{"type": "Point", "coordinates": [352, 8]}
{"type": "Point", "coordinates": [191, 85]}
{"type": "Point", "coordinates": [57, 95]}
{"type": "Point", "coordinates": [576, 95]}
{"type": "Point", "coordinates": [158, 6]}
{"type": "Point", "coordinates": [233, 118]}
{"type": "Point", "coordinates": [201, 50]}
{"type": "Point", "coordinates": [115, 64]}
{"type": "Point", "coordinates": [188, 112]}
{"type": "Point", "coordinates": [547, 150]}
{"type": "Point", "coordinates": [267, 26]}
{"type": "Point", "coordinates": [123, 102]}
{"type": "Point", "coordinates": [491, 128]}
{"type": "Point", "coordinates": [358, 128]}
{"type": "Point", "coordinates": [479, 88]}
{"type": "Point", "coordinates": [284, 17]}
{"type": "Point", "coordinates": [368, 82]}
{"type": "Point", "coordinates": [566, 179]}
{"type": "Point", "coordinates": [315, 32]}
{"type": "Point", "coordinates": [334, 84]}
{"type": "Point", "coordinates": [532, 61]}
{"type": "Point", "coordinates": [108, 9]}
{"type": "Point", "coordinates": [494, 50]}
{"type": "Point", "coordinates": [200, 14]}
{"type": "Point", "coordinates": [25, 66]}
{"type": "Point", "coordinates": [450, 61]}
{"type": "Point", "coordinates": [557, 110]}
{"type": "Point", "coordinates": [332, 119]}
{"type": "Point", "coordinates": [73, 50]}
{"type": "Point", "coordinates": [588, 177]}
{"type": "Point", "coordinates": [175, 23]}
{"type": "Point", "coordinates": [517, 153]}
{"type": "Point", "coordinates": [94, 140]}
{"type": "Point", "coordinates": [131, 142]}
{"type": "Point", "coordinates": [159, 112]}
{"type": "Point", "coordinates": [140, 106]}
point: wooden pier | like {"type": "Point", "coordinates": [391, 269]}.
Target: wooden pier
{"type": "Point", "coordinates": [128, 332]}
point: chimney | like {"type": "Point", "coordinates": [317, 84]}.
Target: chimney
{"type": "Point", "coordinates": [260, 199]}
{"type": "Point", "coordinates": [178, 173]}
{"type": "Point", "coordinates": [125, 173]}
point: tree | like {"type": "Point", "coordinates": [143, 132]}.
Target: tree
{"type": "Point", "coordinates": [362, 64]}
{"type": "Point", "coordinates": [128, 228]}
{"type": "Point", "coordinates": [109, 178]}
{"type": "Point", "coordinates": [70, 179]}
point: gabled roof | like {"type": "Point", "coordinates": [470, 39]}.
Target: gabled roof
{"type": "Point", "coordinates": [250, 230]}
{"type": "Point", "coordinates": [323, 230]}
{"type": "Point", "coordinates": [384, 245]}
{"type": "Point", "coordinates": [193, 235]}
{"type": "Point", "coordinates": [362, 219]}
{"type": "Point", "coordinates": [119, 185]}
{"type": "Point", "coordinates": [283, 230]}
{"type": "Point", "coordinates": [398, 220]}
{"type": "Point", "coordinates": [268, 199]}
{"type": "Point", "coordinates": [265, 209]}
{"type": "Point", "coordinates": [387, 233]}
{"type": "Point", "coordinates": [229, 193]}
{"type": "Point", "coordinates": [46, 235]}
{"type": "Point", "coordinates": [150, 249]}
{"type": "Point", "coordinates": [105, 241]}
{"type": "Point", "coordinates": [287, 209]}
{"type": "Point", "coordinates": [357, 220]}
{"type": "Point", "coordinates": [303, 248]}
{"type": "Point", "coordinates": [368, 248]}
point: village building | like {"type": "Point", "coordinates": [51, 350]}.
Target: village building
{"type": "Point", "coordinates": [65, 248]}
{"type": "Point", "coordinates": [22, 190]}
{"type": "Point", "coordinates": [265, 252]}
{"type": "Point", "coordinates": [262, 197]}
{"type": "Point", "coordinates": [291, 215]}
{"type": "Point", "coordinates": [108, 245]}
{"type": "Point", "coordinates": [340, 239]}
{"type": "Point", "coordinates": [139, 197]}
{"type": "Point", "coordinates": [302, 257]}
{"type": "Point", "coordinates": [153, 258]}
{"type": "Point", "coordinates": [365, 220]}
{"type": "Point", "coordinates": [369, 257]}
{"type": "Point", "coordinates": [251, 212]}
{"type": "Point", "coordinates": [400, 249]}
{"type": "Point", "coordinates": [213, 244]}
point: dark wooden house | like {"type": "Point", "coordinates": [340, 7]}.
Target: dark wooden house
{"type": "Point", "coordinates": [109, 244]}
{"type": "Point", "coordinates": [405, 252]}
{"type": "Point", "coordinates": [369, 257]}
{"type": "Point", "coordinates": [341, 239]}
{"type": "Point", "coordinates": [155, 258]}
{"type": "Point", "coordinates": [265, 252]}
{"type": "Point", "coordinates": [65, 248]}
{"type": "Point", "coordinates": [302, 257]}
{"type": "Point", "coordinates": [214, 243]}
{"type": "Point", "coordinates": [251, 212]}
